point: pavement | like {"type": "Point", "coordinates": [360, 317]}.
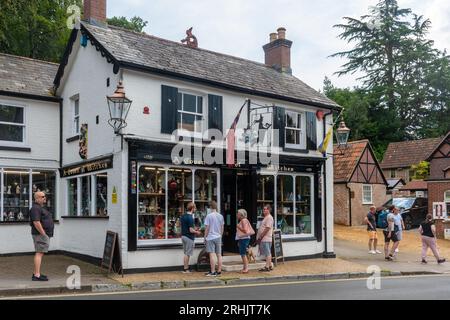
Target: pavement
{"type": "Point", "coordinates": [352, 261]}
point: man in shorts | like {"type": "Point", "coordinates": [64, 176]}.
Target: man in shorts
{"type": "Point", "coordinates": [390, 234]}
{"type": "Point", "coordinates": [214, 223]}
{"type": "Point", "coordinates": [264, 238]}
{"type": "Point", "coordinates": [188, 233]}
{"type": "Point", "coordinates": [372, 230]}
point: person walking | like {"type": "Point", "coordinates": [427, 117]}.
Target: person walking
{"type": "Point", "coordinates": [427, 230]}
{"type": "Point", "coordinates": [213, 236]}
{"type": "Point", "coordinates": [400, 224]}
{"type": "Point", "coordinates": [188, 234]}
{"type": "Point", "coordinates": [264, 238]}
{"type": "Point", "coordinates": [372, 230]}
{"type": "Point", "coordinates": [390, 234]}
{"type": "Point", "coordinates": [42, 227]}
{"type": "Point", "coordinates": [244, 231]}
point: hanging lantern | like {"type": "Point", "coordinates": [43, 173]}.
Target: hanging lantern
{"type": "Point", "coordinates": [119, 106]}
{"type": "Point", "coordinates": [342, 134]}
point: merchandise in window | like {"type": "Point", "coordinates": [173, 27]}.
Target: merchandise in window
{"type": "Point", "coordinates": [101, 202]}
{"type": "Point", "coordinates": [179, 184]}
{"type": "Point", "coordinates": [151, 210]}
{"type": "Point", "coordinates": [12, 123]}
{"type": "Point", "coordinates": [205, 185]}
{"type": "Point", "coordinates": [86, 195]}
{"type": "Point", "coordinates": [72, 196]}
{"type": "Point", "coordinates": [265, 195]}
{"type": "Point", "coordinates": [45, 181]}
{"type": "Point", "coordinates": [285, 204]}
{"type": "Point", "coordinates": [16, 194]}
{"type": "Point", "coordinates": [190, 112]}
{"type": "Point", "coordinates": [303, 205]}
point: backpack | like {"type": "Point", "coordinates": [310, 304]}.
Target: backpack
{"type": "Point", "coordinates": [382, 220]}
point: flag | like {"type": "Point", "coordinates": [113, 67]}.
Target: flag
{"type": "Point", "coordinates": [324, 145]}
{"type": "Point", "coordinates": [231, 138]}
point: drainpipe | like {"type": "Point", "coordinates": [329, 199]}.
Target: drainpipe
{"type": "Point", "coordinates": [326, 254]}
{"type": "Point", "coordinates": [349, 204]}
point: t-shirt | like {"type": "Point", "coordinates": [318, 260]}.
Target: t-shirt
{"type": "Point", "coordinates": [266, 223]}
{"type": "Point", "coordinates": [215, 222]}
{"type": "Point", "coordinates": [187, 221]}
{"type": "Point", "coordinates": [38, 213]}
{"type": "Point", "coordinates": [390, 218]}
{"type": "Point", "coordinates": [371, 218]}
{"type": "Point", "coordinates": [398, 221]}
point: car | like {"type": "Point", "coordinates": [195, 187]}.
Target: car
{"type": "Point", "coordinates": [413, 210]}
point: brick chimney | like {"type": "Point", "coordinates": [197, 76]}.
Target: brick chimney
{"type": "Point", "coordinates": [278, 52]}
{"type": "Point", "coordinates": [95, 12]}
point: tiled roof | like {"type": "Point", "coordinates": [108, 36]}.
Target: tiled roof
{"type": "Point", "coordinates": [415, 185]}
{"type": "Point", "coordinates": [406, 153]}
{"type": "Point", "coordinates": [344, 164]}
{"type": "Point", "coordinates": [154, 53]}
{"type": "Point", "coordinates": [393, 182]}
{"type": "Point", "coordinates": [26, 76]}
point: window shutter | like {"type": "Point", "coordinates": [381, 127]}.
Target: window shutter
{"type": "Point", "coordinates": [311, 131]}
{"type": "Point", "coordinates": [215, 113]}
{"type": "Point", "coordinates": [169, 97]}
{"type": "Point", "coordinates": [279, 123]}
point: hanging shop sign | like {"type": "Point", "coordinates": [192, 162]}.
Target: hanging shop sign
{"type": "Point", "coordinates": [87, 167]}
{"type": "Point", "coordinates": [83, 143]}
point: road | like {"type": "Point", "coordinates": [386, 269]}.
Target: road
{"type": "Point", "coordinates": [433, 287]}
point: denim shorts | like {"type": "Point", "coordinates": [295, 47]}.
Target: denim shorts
{"type": "Point", "coordinates": [243, 244]}
{"type": "Point", "coordinates": [265, 249]}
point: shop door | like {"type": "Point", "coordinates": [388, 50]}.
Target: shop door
{"type": "Point", "coordinates": [235, 195]}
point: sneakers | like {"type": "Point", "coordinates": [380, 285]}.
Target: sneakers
{"type": "Point", "coordinates": [378, 252]}
{"type": "Point", "coordinates": [441, 261]}
{"type": "Point", "coordinates": [186, 271]}
{"type": "Point", "coordinates": [396, 250]}
{"type": "Point", "coordinates": [372, 252]}
{"type": "Point", "coordinates": [389, 258]}
{"type": "Point", "coordinates": [424, 261]}
{"type": "Point", "coordinates": [40, 278]}
{"type": "Point", "coordinates": [213, 274]}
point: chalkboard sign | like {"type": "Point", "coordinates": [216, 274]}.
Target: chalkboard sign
{"type": "Point", "coordinates": [277, 246]}
{"type": "Point", "coordinates": [112, 259]}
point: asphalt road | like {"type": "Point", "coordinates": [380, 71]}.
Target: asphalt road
{"type": "Point", "coordinates": [414, 287]}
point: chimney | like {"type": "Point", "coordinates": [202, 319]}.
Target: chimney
{"type": "Point", "coordinates": [95, 12]}
{"type": "Point", "coordinates": [278, 52]}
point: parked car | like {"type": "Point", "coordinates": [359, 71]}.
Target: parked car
{"type": "Point", "coordinates": [413, 210]}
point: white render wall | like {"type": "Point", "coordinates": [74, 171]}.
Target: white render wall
{"type": "Point", "coordinates": [16, 238]}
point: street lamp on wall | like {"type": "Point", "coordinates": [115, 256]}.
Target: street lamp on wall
{"type": "Point", "coordinates": [342, 134]}
{"type": "Point", "coordinates": [119, 106]}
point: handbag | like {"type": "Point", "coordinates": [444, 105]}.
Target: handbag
{"type": "Point", "coordinates": [249, 231]}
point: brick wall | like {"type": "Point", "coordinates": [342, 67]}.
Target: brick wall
{"type": "Point", "coordinates": [359, 210]}
{"type": "Point", "coordinates": [436, 193]}
{"type": "Point", "coordinates": [341, 207]}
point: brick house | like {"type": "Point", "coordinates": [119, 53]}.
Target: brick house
{"type": "Point", "coordinates": [400, 156]}
{"type": "Point", "coordinates": [358, 183]}
{"type": "Point", "coordinates": [415, 188]}
{"type": "Point", "coordinates": [439, 179]}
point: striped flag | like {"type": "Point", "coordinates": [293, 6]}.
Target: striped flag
{"type": "Point", "coordinates": [324, 145]}
{"type": "Point", "coordinates": [231, 139]}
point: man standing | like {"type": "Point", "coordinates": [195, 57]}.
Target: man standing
{"type": "Point", "coordinates": [42, 227]}
{"type": "Point", "coordinates": [188, 233]}
{"type": "Point", "coordinates": [400, 225]}
{"type": "Point", "coordinates": [372, 230]}
{"type": "Point", "coordinates": [213, 236]}
{"type": "Point", "coordinates": [390, 234]}
{"type": "Point", "coordinates": [264, 238]}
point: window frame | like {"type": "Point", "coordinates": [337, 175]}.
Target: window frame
{"type": "Point", "coordinates": [204, 115]}
{"type": "Point", "coordinates": [364, 200]}
{"type": "Point", "coordinates": [24, 107]}
{"type": "Point", "coordinates": [75, 100]}
{"type": "Point", "coordinates": [301, 129]}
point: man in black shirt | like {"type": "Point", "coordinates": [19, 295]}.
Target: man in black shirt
{"type": "Point", "coordinates": [42, 226]}
{"type": "Point", "coordinates": [372, 230]}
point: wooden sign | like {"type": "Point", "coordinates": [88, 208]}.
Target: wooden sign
{"type": "Point", "coordinates": [112, 259]}
{"type": "Point", "coordinates": [277, 246]}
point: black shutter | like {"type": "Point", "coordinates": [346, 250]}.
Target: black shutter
{"type": "Point", "coordinates": [279, 123]}
{"type": "Point", "coordinates": [215, 117]}
{"type": "Point", "coordinates": [169, 96]}
{"type": "Point", "coordinates": [311, 131]}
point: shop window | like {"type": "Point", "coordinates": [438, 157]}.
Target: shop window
{"type": "Point", "coordinates": [447, 201]}
{"type": "Point", "coordinates": [12, 124]}
{"type": "Point", "coordinates": [285, 204]}
{"type": "Point", "coordinates": [152, 203]}
{"type": "Point", "coordinates": [294, 130]}
{"type": "Point", "coordinates": [205, 187]}
{"type": "Point", "coordinates": [265, 195]}
{"type": "Point", "coordinates": [190, 112]}
{"type": "Point", "coordinates": [179, 186]}
{"type": "Point", "coordinates": [86, 195]}
{"type": "Point", "coordinates": [45, 181]}
{"type": "Point", "coordinates": [303, 213]}
{"type": "Point", "coordinates": [16, 194]}
{"type": "Point", "coordinates": [101, 198]}
{"type": "Point", "coordinates": [72, 197]}
{"type": "Point", "coordinates": [367, 194]}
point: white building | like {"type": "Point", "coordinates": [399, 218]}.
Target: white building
{"type": "Point", "coordinates": [130, 183]}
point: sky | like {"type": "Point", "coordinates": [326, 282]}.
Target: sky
{"type": "Point", "coordinates": [241, 27]}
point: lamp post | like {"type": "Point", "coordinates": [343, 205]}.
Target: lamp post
{"type": "Point", "coordinates": [342, 134]}
{"type": "Point", "coordinates": [119, 106]}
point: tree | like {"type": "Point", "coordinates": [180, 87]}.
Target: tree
{"type": "Point", "coordinates": [136, 24]}
{"type": "Point", "coordinates": [394, 55]}
{"type": "Point", "coordinates": [421, 170]}
{"type": "Point", "coordinates": [35, 28]}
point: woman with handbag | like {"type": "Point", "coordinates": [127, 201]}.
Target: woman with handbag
{"type": "Point", "coordinates": [244, 231]}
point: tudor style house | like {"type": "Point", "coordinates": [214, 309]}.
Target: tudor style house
{"type": "Point", "coordinates": [128, 181]}
{"type": "Point", "coordinates": [359, 183]}
{"type": "Point", "coordinates": [29, 147]}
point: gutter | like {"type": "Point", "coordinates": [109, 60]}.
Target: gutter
{"type": "Point", "coordinates": [29, 96]}
{"type": "Point", "coordinates": [60, 133]}
{"type": "Point", "coordinates": [349, 204]}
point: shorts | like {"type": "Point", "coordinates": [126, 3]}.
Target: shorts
{"type": "Point", "coordinates": [372, 235]}
{"type": "Point", "coordinates": [399, 235]}
{"type": "Point", "coordinates": [214, 246]}
{"type": "Point", "coordinates": [188, 246]}
{"type": "Point", "coordinates": [41, 243]}
{"type": "Point", "coordinates": [393, 237]}
{"type": "Point", "coordinates": [243, 244]}
{"type": "Point", "coordinates": [265, 249]}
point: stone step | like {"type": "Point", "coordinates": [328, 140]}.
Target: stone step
{"type": "Point", "coordinates": [229, 267]}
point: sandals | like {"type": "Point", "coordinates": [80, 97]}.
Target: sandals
{"type": "Point", "coordinates": [243, 271]}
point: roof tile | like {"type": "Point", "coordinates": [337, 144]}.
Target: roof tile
{"type": "Point", "coordinates": [345, 163]}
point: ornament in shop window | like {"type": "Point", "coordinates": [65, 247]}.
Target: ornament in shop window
{"type": "Point", "coordinates": [173, 185]}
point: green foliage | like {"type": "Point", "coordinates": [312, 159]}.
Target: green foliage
{"type": "Point", "coordinates": [136, 24]}
{"type": "Point", "coordinates": [421, 170]}
{"type": "Point", "coordinates": [35, 28]}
